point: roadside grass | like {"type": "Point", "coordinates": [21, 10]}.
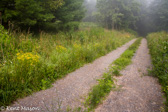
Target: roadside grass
{"type": "Point", "coordinates": [106, 83]}
{"type": "Point", "coordinates": [31, 63]}
{"type": "Point", "coordinates": [158, 45]}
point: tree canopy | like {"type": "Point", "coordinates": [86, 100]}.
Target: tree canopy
{"type": "Point", "coordinates": [137, 15]}
{"type": "Point", "coordinates": [33, 13]}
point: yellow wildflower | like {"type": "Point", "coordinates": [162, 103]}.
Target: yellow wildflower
{"type": "Point", "coordinates": [77, 46]}
{"type": "Point", "coordinates": [28, 58]}
{"type": "Point", "coordinates": [60, 48]}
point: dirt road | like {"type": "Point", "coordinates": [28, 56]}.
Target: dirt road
{"type": "Point", "coordinates": [138, 92]}
{"type": "Point", "coordinates": [70, 91]}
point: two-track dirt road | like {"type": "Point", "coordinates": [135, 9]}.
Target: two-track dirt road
{"type": "Point", "coordinates": [139, 93]}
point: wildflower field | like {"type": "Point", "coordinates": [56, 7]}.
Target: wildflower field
{"type": "Point", "coordinates": [158, 45]}
{"type": "Point", "coordinates": [31, 63]}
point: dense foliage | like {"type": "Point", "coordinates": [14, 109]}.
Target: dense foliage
{"type": "Point", "coordinates": [29, 64]}
{"type": "Point", "coordinates": [71, 11]}
{"type": "Point", "coordinates": [54, 15]}
{"type": "Point", "coordinates": [158, 45]}
{"type": "Point", "coordinates": [40, 14]}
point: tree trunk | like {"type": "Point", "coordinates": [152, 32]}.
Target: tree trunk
{"type": "Point", "coordinates": [112, 25]}
{"type": "Point", "coordinates": [0, 18]}
{"type": "Point", "coordinates": [106, 24]}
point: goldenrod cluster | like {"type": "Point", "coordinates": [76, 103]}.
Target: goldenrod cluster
{"type": "Point", "coordinates": [28, 58]}
{"type": "Point", "coordinates": [127, 36]}
{"type": "Point", "coordinates": [96, 45]}
{"type": "Point", "coordinates": [77, 46]}
{"type": "Point", "coordinates": [60, 48]}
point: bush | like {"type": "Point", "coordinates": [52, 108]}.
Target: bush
{"type": "Point", "coordinates": [71, 26]}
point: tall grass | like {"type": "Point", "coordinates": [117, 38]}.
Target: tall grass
{"type": "Point", "coordinates": [31, 63]}
{"type": "Point", "coordinates": [158, 45]}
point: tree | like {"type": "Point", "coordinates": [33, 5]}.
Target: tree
{"type": "Point", "coordinates": [72, 10]}
{"type": "Point", "coordinates": [70, 14]}
{"type": "Point", "coordinates": [117, 14]}
{"type": "Point", "coordinates": [159, 14]}
{"type": "Point", "coordinates": [153, 16]}
{"type": "Point", "coordinates": [27, 13]}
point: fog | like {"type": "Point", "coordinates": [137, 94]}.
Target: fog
{"type": "Point", "coordinates": [91, 8]}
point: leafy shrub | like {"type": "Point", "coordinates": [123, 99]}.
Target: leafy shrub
{"type": "Point", "coordinates": [71, 26]}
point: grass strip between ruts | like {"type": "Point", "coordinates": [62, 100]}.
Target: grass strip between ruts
{"type": "Point", "coordinates": [106, 83]}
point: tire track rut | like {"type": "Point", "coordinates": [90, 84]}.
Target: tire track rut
{"type": "Point", "coordinates": [139, 93]}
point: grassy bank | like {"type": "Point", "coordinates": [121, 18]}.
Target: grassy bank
{"type": "Point", "coordinates": [31, 63]}
{"type": "Point", "coordinates": [158, 45]}
{"type": "Point", "coordinates": [107, 82]}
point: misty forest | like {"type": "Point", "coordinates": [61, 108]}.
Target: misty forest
{"type": "Point", "coordinates": [84, 55]}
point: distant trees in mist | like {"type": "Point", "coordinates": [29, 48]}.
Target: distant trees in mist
{"type": "Point", "coordinates": [142, 16]}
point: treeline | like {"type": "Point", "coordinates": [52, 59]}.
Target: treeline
{"type": "Point", "coordinates": [158, 12]}
{"type": "Point", "coordinates": [153, 16]}
{"type": "Point", "coordinates": [117, 14]}
{"type": "Point", "coordinates": [138, 15]}
{"type": "Point", "coordinates": [42, 14]}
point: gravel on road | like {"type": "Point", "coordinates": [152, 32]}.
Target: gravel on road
{"type": "Point", "coordinates": [139, 92]}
